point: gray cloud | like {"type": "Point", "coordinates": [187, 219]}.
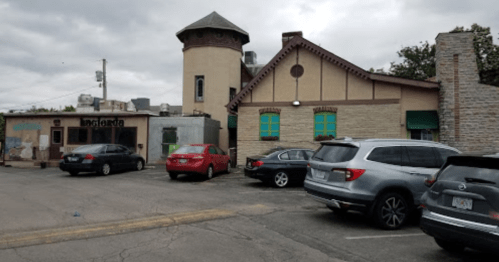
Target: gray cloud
{"type": "Point", "coordinates": [49, 49]}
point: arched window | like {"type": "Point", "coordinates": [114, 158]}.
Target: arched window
{"type": "Point", "coordinates": [199, 88]}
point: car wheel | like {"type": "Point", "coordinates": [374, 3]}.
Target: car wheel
{"type": "Point", "coordinates": [391, 211]}
{"type": "Point", "coordinates": [228, 168]}
{"type": "Point", "coordinates": [73, 173]}
{"type": "Point", "coordinates": [105, 169]}
{"type": "Point", "coordinates": [449, 246]}
{"type": "Point", "coordinates": [209, 173]}
{"type": "Point", "coordinates": [173, 176]}
{"type": "Point", "coordinates": [281, 179]}
{"type": "Point", "coordinates": [338, 211]}
{"type": "Point", "coordinates": [139, 166]}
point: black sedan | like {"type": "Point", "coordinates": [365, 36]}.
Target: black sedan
{"type": "Point", "coordinates": [279, 166]}
{"type": "Point", "coordinates": [100, 158]}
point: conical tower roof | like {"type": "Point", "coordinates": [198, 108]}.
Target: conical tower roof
{"type": "Point", "coordinates": [216, 21]}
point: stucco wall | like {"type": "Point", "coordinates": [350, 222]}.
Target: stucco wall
{"type": "Point", "coordinates": [297, 124]}
{"type": "Point", "coordinates": [25, 132]}
{"type": "Point", "coordinates": [221, 68]}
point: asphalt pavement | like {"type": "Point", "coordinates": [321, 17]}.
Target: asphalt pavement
{"type": "Point", "coordinates": [47, 215]}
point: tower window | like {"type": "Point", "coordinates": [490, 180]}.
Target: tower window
{"type": "Point", "coordinates": [232, 93]}
{"type": "Point", "coordinates": [199, 88]}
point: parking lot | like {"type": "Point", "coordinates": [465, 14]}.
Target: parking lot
{"type": "Point", "coordinates": [47, 215]}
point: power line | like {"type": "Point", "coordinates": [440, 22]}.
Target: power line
{"type": "Point", "coordinates": [50, 99]}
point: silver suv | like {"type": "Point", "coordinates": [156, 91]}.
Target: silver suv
{"type": "Point", "coordinates": [383, 178]}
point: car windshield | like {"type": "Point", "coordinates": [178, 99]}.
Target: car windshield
{"type": "Point", "coordinates": [189, 150]}
{"type": "Point", "coordinates": [88, 149]}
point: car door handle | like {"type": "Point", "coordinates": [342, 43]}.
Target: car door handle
{"type": "Point", "coordinates": [414, 173]}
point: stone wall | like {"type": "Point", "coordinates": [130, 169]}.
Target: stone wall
{"type": "Point", "coordinates": [297, 126]}
{"type": "Point", "coordinates": [468, 110]}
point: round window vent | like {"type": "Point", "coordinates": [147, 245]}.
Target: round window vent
{"type": "Point", "coordinates": [297, 70]}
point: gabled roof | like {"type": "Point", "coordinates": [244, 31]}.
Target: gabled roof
{"type": "Point", "coordinates": [327, 56]}
{"type": "Point", "coordinates": [214, 20]}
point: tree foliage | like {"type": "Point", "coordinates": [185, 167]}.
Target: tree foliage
{"type": "Point", "coordinates": [2, 127]}
{"type": "Point", "coordinates": [420, 63]}
{"type": "Point", "coordinates": [69, 109]}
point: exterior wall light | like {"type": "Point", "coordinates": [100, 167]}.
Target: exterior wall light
{"type": "Point", "coordinates": [296, 103]}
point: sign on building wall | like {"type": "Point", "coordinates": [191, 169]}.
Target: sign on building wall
{"type": "Point", "coordinates": [102, 122]}
{"type": "Point", "coordinates": [27, 126]}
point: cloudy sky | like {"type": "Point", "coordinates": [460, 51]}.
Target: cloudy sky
{"type": "Point", "coordinates": [50, 49]}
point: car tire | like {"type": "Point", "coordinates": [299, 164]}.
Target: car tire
{"type": "Point", "coordinates": [391, 211]}
{"type": "Point", "coordinates": [228, 168]}
{"type": "Point", "coordinates": [209, 172]}
{"type": "Point", "coordinates": [105, 169]}
{"type": "Point", "coordinates": [449, 246]}
{"type": "Point", "coordinates": [280, 179]}
{"type": "Point", "coordinates": [139, 165]}
{"type": "Point", "coordinates": [173, 176]}
{"type": "Point", "coordinates": [73, 173]}
{"type": "Point", "coordinates": [338, 211]}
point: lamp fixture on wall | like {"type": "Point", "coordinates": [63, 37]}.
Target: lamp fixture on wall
{"type": "Point", "coordinates": [296, 103]}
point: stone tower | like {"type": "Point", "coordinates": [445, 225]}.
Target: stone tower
{"type": "Point", "coordinates": [468, 110]}
{"type": "Point", "coordinates": [212, 68]}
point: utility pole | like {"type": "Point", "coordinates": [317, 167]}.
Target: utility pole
{"type": "Point", "coordinates": [104, 84]}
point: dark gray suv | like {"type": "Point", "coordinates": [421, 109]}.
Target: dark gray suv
{"type": "Point", "coordinates": [461, 207]}
{"type": "Point", "coordinates": [382, 177]}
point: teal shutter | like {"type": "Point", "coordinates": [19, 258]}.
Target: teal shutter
{"type": "Point", "coordinates": [325, 124]}
{"type": "Point", "coordinates": [269, 124]}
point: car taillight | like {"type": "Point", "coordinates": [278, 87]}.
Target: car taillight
{"type": "Point", "coordinates": [422, 206]}
{"type": "Point", "coordinates": [429, 181]}
{"type": "Point", "coordinates": [257, 163]}
{"type": "Point", "coordinates": [350, 173]}
{"type": "Point", "coordinates": [62, 156]}
{"type": "Point", "coordinates": [89, 157]}
{"type": "Point", "coordinates": [308, 164]}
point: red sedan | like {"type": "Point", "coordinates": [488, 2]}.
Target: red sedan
{"type": "Point", "coordinates": [204, 159]}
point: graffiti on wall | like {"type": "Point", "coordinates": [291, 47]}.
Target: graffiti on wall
{"type": "Point", "coordinates": [17, 150]}
{"type": "Point", "coordinates": [27, 126]}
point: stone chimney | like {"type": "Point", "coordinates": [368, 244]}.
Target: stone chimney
{"type": "Point", "coordinates": [286, 37]}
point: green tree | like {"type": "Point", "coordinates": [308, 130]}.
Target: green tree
{"type": "Point", "coordinates": [419, 61]}
{"type": "Point", "coordinates": [69, 109]}
{"type": "Point", "coordinates": [34, 109]}
{"type": "Point", "coordinates": [2, 127]}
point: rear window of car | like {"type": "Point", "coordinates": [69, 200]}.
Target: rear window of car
{"type": "Point", "coordinates": [189, 150]}
{"type": "Point", "coordinates": [335, 153]}
{"type": "Point", "coordinates": [89, 149]}
{"type": "Point", "coordinates": [468, 173]}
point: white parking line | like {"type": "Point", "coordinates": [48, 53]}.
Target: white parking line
{"type": "Point", "coordinates": [270, 191]}
{"type": "Point", "coordinates": [385, 236]}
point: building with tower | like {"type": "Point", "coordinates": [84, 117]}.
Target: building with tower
{"type": "Point", "coordinates": [212, 69]}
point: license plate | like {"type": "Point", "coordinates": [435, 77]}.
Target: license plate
{"type": "Point", "coordinates": [320, 174]}
{"type": "Point", "coordinates": [462, 203]}
{"type": "Point", "coordinates": [182, 161]}
{"type": "Point", "coordinates": [72, 159]}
